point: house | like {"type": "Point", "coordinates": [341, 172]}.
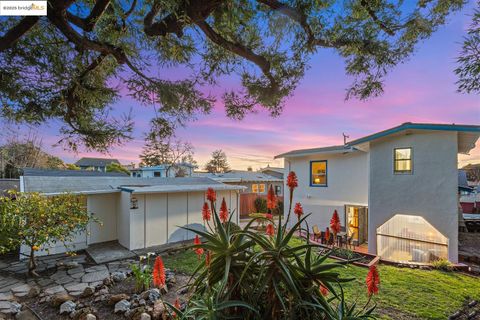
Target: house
{"type": "Point", "coordinates": [69, 173]}
{"type": "Point", "coordinates": [163, 170]}
{"type": "Point", "coordinates": [95, 164]}
{"type": "Point", "coordinates": [273, 171]}
{"type": "Point", "coordinates": [256, 185]}
{"type": "Point", "coordinates": [396, 191]}
{"type": "Point", "coordinates": [137, 212]}
{"type": "Point", "coordinates": [7, 185]}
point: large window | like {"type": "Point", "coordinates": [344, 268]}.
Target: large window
{"type": "Point", "coordinates": [402, 160]}
{"type": "Point", "coordinates": [318, 173]}
{"type": "Point", "coordinates": [258, 188]}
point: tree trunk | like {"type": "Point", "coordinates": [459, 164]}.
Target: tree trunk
{"type": "Point", "coordinates": [32, 265]}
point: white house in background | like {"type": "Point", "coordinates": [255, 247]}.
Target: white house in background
{"type": "Point", "coordinates": [395, 191]}
{"type": "Point", "coordinates": [137, 212]}
{"type": "Point", "coordinates": [163, 171]}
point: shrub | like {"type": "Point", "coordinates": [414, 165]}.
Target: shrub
{"type": "Point", "coordinates": [442, 264]}
{"type": "Point", "coordinates": [264, 275]}
{"type": "Point", "coordinates": [260, 205]}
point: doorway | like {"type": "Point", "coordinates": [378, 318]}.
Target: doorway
{"type": "Point", "coordinates": [356, 222]}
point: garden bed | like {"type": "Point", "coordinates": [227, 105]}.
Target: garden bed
{"type": "Point", "coordinates": [353, 257]}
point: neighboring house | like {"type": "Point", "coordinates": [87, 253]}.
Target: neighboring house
{"type": "Point", "coordinates": [137, 212]}
{"type": "Point", "coordinates": [273, 171]}
{"type": "Point", "coordinates": [7, 185]}
{"type": "Point", "coordinates": [161, 171]}
{"type": "Point", "coordinates": [395, 190]}
{"type": "Point", "coordinates": [256, 185]}
{"type": "Point", "coordinates": [95, 164]}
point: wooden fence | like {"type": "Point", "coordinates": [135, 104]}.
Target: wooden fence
{"type": "Point", "coordinates": [247, 203]}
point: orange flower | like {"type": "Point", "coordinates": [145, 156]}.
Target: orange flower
{"type": "Point", "coordinates": [298, 210]}
{"type": "Point", "coordinates": [271, 199]}
{"type": "Point", "coordinates": [196, 241]}
{"type": "Point", "coordinates": [292, 181]}
{"type": "Point", "coordinates": [223, 211]}
{"type": "Point", "coordinates": [323, 290]}
{"type": "Point", "coordinates": [158, 273]}
{"type": "Point", "coordinates": [211, 195]}
{"type": "Point", "coordinates": [206, 212]}
{"type": "Point", "coordinates": [373, 280]}
{"type": "Point", "coordinates": [35, 248]}
{"type": "Point", "coordinates": [177, 306]}
{"type": "Point", "coordinates": [270, 230]}
{"type": "Point", "coordinates": [335, 222]}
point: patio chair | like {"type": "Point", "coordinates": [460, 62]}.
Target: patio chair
{"type": "Point", "coordinates": [316, 233]}
{"type": "Point", "coordinates": [350, 243]}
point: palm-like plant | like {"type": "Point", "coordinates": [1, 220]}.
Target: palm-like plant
{"type": "Point", "coordinates": [252, 275]}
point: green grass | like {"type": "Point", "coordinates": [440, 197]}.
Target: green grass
{"type": "Point", "coordinates": [404, 293]}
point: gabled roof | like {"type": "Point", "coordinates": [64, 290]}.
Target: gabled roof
{"type": "Point", "coordinates": [239, 176]}
{"type": "Point", "coordinates": [69, 173]}
{"type": "Point", "coordinates": [470, 134]}
{"type": "Point", "coordinates": [95, 162]}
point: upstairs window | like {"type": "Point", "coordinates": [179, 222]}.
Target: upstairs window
{"type": "Point", "coordinates": [402, 160]}
{"type": "Point", "coordinates": [318, 173]}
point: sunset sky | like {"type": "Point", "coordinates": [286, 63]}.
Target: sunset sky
{"type": "Point", "coordinates": [421, 90]}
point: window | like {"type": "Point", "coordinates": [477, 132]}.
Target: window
{"type": "Point", "coordinates": [258, 188]}
{"type": "Point", "coordinates": [278, 190]}
{"type": "Point", "coordinates": [402, 160]}
{"type": "Point", "coordinates": [318, 173]}
{"type": "Point", "coordinates": [157, 174]}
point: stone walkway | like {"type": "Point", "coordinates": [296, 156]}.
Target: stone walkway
{"type": "Point", "coordinates": [74, 276]}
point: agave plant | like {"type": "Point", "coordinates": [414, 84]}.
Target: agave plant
{"type": "Point", "coordinates": [254, 275]}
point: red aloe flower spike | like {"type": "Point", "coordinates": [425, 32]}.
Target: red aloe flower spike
{"type": "Point", "coordinates": [198, 251]}
{"type": "Point", "coordinates": [373, 280]}
{"type": "Point", "coordinates": [206, 213]}
{"type": "Point", "coordinates": [269, 216]}
{"type": "Point", "coordinates": [158, 273]}
{"type": "Point", "coordinates": [292, 181]}
{"type": "Point", "coordinates": [211, 195]}
{"type": "Point", "coordinates": [177, 306]}
{"type": "Point", "coordinates": [323, 290]}
{"type": "Point", "coordinates": [270, 230]}
{"type": "Point", "coordinates": [271, 199]}
{"type": "Point", "coordinates": [298, 210]}
{"type": "Point", "coordinates": [223, 211]}
{"type": "Point", "coordinates": [335, 223]}
{"type": "Point", "coordinates": [208, 258]}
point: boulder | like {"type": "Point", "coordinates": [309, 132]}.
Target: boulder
{"type": "Point", "coordinates": [117, 297]}
{"type": "Point", "coordinates": [122, 306]}
{"type": "Point", "coordinates": [67, 307]}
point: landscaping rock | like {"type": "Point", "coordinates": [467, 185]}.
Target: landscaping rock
{"type": "Point", "coordinates": [88, 292]}
{"type": "Point", "coordinates": [33, 292]}
{"type": "Point", "coordinates": [122, 306]}
{"type": "Point", "coordinates": [158, 310]}
{"type": "Point", "coordinates": [117, 297]}
{"type": "Point", "coordinates": [118, 276]}
{"type": "Point", "coordinates": [9, 307]}
{"type": "Point", "coordinates": [152, 294]}
{"type": "Point", "coordinates": [25, 315]}
{"type": "Point", "coordinates": [67, 307]}
{"type": "Point", "coordinates": [472, 304]}
{"type": "Point", "coordinates": [107, 282]}
{"type": "Point", "coordinates": [455, 315]}
{"type": "Point", "coordinates": [95, 276]}
{"type": "Point", "coordinates": [60, 298]}
{"type": "Point", "coordinates": [90, 317]}
{"type": "Point", "coordinates": [472, 315]}
{"type": "Point", "coordinates": [145, 316]}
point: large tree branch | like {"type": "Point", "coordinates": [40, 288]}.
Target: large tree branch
{"type": "Point", "coordinates": [88, 23]}
{"type": "Point", "coordinates": [375, 18]}
{"type": "Point", "coordinates": [15, 33]}
{"type": "Point", "coordinates": [239, 49]}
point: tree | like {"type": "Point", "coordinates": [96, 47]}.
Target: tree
{"type": "Point", "coordinates": [117, 167]}
{"type": "Point", "coordinates": [71, 166]}
{"type": "Point", "coordinates": [71, 65]}
{"type": "Point", "coordinates": [20, 151]}
{"type": "Point", "coordinates": [468, 71]}
{"type": "Point", "coordinates": [36, 220]}
{"type": "Point", "coordinates": [218, 163]}
{"type": "Point", "coordinates": [165, 149]}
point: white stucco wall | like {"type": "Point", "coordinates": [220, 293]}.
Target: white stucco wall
{"type": "Point", "coordinates": [123, 219]}
{"type": "Point", "coordinates": [347, 183]}
{"type": "Point", "coordinates": [430, 192]}
{"type": "Point", "coordinates": [104, 208]}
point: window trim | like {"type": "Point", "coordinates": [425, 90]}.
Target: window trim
{"type": "Point", "coordinates": [326, 174]}
{"type": "Point", "coordinates": [402, 172]}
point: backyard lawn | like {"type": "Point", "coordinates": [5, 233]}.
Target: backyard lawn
{"type": "Point", "coordinates": [404, 293]}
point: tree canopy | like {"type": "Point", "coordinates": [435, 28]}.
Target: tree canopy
{"type": "Point", "coordinates": [117, 167]}
{"type": "Point", "coordinates": [73, 64]}
{"type": "Point", "coordinates": [218, 163]}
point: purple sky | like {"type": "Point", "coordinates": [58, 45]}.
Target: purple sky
{"type": "Point", "coordinates": [421, 90]}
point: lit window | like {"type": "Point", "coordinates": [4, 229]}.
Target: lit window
{"type": "Point", "coordinates": [402, 158]}
{"type": "Point", "coordinates": [258, 188]}
{"type": "Point", "coordinates": [318, 173]}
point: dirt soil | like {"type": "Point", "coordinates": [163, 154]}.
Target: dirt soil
{"type": "Point", "coordinates": [101, 309]}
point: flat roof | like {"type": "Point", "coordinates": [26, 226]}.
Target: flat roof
{"type": "Point", "coordinates": [470, 134]}
{"type": "Point", "coordinates": [239, 176]}
{"type": "Point", "coordinates": [180, 188]}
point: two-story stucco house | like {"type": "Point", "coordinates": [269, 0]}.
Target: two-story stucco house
{"type": "Point", "coordinates": [395, 190]}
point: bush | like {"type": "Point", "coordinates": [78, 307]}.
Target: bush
{"type": "Point", "coordinates": [260, 205]}
{"type": "Point", "coordinates": [442, 264]}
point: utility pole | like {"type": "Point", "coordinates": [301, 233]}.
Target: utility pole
{"type": "Point", "coordinates": [345, 137]}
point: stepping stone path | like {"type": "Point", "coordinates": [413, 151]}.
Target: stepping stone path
{"type": "Point", "coordinates": [72, 276]}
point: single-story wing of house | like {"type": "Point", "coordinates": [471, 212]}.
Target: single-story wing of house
{"type": "Point", "coordinates": [137, 212]}
{"type": "Point", "coordinates": [396, 191]}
